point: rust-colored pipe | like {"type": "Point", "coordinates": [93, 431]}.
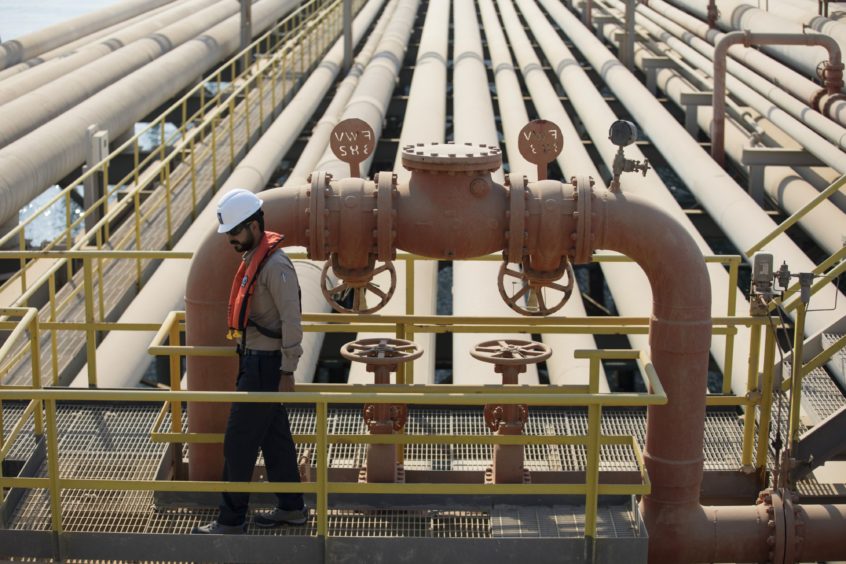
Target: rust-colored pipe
{"type": "Point", "coordinates": [206, 297]}
{"type": "Point", "coordinates": [680, 529]}
{"type": "Point", "coordinates": [833, 73]}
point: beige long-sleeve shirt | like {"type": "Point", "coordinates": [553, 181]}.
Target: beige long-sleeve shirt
{"type": "Point", "coordinates": [275, 305]}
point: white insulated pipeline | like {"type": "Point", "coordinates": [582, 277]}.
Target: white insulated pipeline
{"type": "Point", "coordinates": [814, 143]}
{"type": "Point", "coordinates": [33, 44]}
{"type": "Point", "coordinates": [825, 224]}
{"type": "Point", "coordinates": [737, 15]}
{"type": "Point", "coordinates": [475, 282]}
{"type": "Point", "coordinates": [372, 95]}
{"type": "Point", "coordinates": [799, 86]}
{"type": "Point", "coordinates": [627, 282]}
{"type": "Point", "coordinates": [43, 157]}
{"type": "Point", "coordinates": [369, 102]}
{"type": "Point", "coordinates": [563, 367]}
{"type": "Point", "coordinates": [88, 40]}
{"type": "Point", "coordinates": [733, 210]}
{"type": "Point", "coordinates": [24, 110]}
{"type": "Point", "coordinates": [425, 116]}
{"type": "Point", "coordinates": [319, 139]}
{"type": "Point", "coordinates": [125, 352]}
{"type": "Point", "coordinates": [16, 86]}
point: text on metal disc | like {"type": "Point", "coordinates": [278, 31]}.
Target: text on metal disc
{"type": "Point", "coordinates": [352, 140]}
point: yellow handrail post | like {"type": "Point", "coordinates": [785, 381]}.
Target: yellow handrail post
{"type": "Point", "coordinates": [35, 352]}
{"type": "Point", "coordinates": [54, 343]}
{"type": "Point", "coordinates": [247, 111]}
{"type": "Point", "coordinates": [136, 158]}
{"type": "Point", "coordinates": [766, 406]}
{"type": "Point", "coordinates": [53, 466]}
{"type": "Point", "coordinates": [100, 299]}
{"type": "Point", "coordinates": [731, 310]}
{"type": "Point", "coordinates": [322, 470]}
{"type": "Point", "coordinates": [231, 134]}
{"type": "Point", "coordinates": [592, 459]}
{"type": "Point", "coordinates": [193, 179]}
{"type": "Point", "coordinates": [796, 374]}
{"type": "Point", "coordinates": [68, 236]}
{"type": "Point", "coordinates": [261, 101]}
{"type": "Point", "coordinates": [22, 247]}
{"type": "Point", "coordinates": [751, 387]}
{"type": "Point", "coordinates": [175, 376]}
{"type": "Point", "coordinates": [90, 333]}
{"type": "Point", "coordinates": [214, 153]}
{"type": "Point", "coordinates": [168, 214]}
{"type": "Point", "coordinates": [409, 310]}
{"type": "Point", "coordinates": [136, 199]}
{"type": "Point", "coordinates": [105, 198]}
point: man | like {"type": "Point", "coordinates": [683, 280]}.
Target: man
{"type": "Point", "coordinates": [264, 316]}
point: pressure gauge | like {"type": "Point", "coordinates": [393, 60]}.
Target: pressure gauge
{"type": "Point", "coordinates": [622, 133]}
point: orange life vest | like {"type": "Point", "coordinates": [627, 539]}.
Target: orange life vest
{"type": "Point", "coordinates": [244, 284]}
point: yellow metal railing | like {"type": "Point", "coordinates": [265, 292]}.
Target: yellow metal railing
{"type": "Point", "coordinates": [283, 52]}
{"type": "Point", "coordinates": [323, 396]}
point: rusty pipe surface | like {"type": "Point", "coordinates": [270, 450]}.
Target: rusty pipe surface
{"type": "Point", "coordinates": [748, 39]}
{"type": "Point", "coordinates": [30, 45]}
{"type": "Point", "coordinates": [206, 298]}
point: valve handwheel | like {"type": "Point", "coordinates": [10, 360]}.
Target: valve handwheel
{"type": "Point", "coordinates": [332, 293]}
{"type": "Point", "coordinates": [381, 351]}
{"type": "Point", "coordinates": [534, 288]}
{"type": "Point", "coordinates": [511, 352]}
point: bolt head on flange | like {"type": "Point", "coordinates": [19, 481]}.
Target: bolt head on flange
{"type": "Point", "coordinates": [451, 157]}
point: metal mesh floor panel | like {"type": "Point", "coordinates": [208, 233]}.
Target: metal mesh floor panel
{"type": "Point", "coordinates": [560, 521]}
{"type": "Point", "coordinates": [403, 523]}
{"type": "Point", "coordinates": [25, 444]}
{"type": "Point", "coordinates": [112, 442]}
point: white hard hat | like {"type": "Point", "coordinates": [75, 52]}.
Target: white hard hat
{"type": "Point", "coordinates": [234, 207]}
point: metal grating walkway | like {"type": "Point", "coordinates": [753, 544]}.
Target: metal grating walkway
{"type": "Point", "coordinates": [112, 442]}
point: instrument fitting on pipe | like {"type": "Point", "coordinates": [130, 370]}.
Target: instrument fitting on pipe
{"type": "Point", "coordinates": [623, 133]}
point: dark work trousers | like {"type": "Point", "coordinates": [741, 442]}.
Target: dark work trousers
{"type": "Point", "coordinates": [258, 425]}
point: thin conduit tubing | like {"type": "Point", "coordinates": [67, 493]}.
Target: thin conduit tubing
{"type": "Point", "coordinates": [563, 367]}
{"type": "Point", "coordinates": [670, 83]}
{"type": "Point", "coordinates": [735, 15]}
{"type": "Point", "coordinates": [729, 205]}
{"type": "Point", "coordinates": [372, 95]}
{"type": "Point", "coordinates": [319, 137]}
{"type": "Point", "coordinates": [811, 141]}
{"type": "Point", "coordinates": [792, 82]}
{"type": "Point", "coordinates": [425, 116]}
{"type": "Point", "coordinates": [830, 130]}
{"type": "Point", "coordinates": [475, 284]}
{"type": "Point", "coordinates": [21, 114]}
{"type": "Point", "coordinates": [46, 155]}
{"type": "Point", "coordinates": [72, 47]}
{"type": "Point", "coordinates": [17, 86]}
{"type": "Point", "coordinates": [628, 284]}
{"type": "Point", "coordinates": [33, 44]}
{"type": "Point", "coordinates": [160, 295]}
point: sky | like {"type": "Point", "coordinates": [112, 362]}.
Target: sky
{"type": "Point", "coordinates": [20, 17]}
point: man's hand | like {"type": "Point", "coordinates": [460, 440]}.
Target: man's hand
{"type": "Point", "coordinates": [286, 381]}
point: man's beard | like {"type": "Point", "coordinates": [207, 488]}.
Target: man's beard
{"type": "Point", "coordinates": [246, 245]}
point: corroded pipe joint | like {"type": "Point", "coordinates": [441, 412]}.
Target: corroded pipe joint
{"type": "Point", "coordinates": [833, 77]}
{"type": "Point", "coordinates": [549, 226]}
{"type": "Point", "coordinates": [451, 207]}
